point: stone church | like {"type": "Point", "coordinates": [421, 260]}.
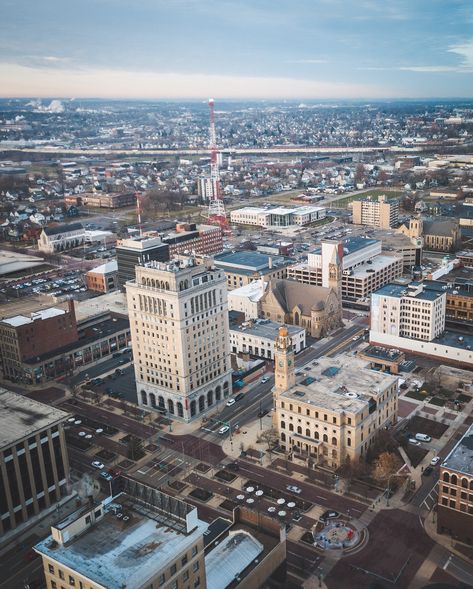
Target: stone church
{"type": "Point", "coordinates": [317, 308]}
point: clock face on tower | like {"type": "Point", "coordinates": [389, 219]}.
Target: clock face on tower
{"type": "Point", "coordinates": [281, 363]}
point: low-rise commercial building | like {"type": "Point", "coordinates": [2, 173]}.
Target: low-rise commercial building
{"type": "Point", "coordinates": [455, 497]}
{"type": "Point", "coordinates": [382, 212]}
{"type": "Point", "coordinates": [241, 268]}
{"type": "Point", "coordinates": [103, 200]}
{"type": "Point", "coordinates": [191, 238]}
{"type": "Point", "coordinates": [247, 299]}
{"type": "Point", "coordinates": [333, 412]}
{"type": "Point", "coordinates": [459, 298]}
{"type": "Point", "coordinates": [34, 467]}
{"type": "Point", "coordinates": [257, 338]}
{"type": "Point", "coordinates": [104, 278]}
{"type": "Point", "coordinates": [29, 336]}
{"type": "Point", "coordinates": [277, 217]}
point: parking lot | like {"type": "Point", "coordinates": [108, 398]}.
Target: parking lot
{"type": "Point", "coordinates": [71, 282]}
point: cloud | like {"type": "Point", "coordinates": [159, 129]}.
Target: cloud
{"type": "Point", "coordinates": [421, 68]}
{"type": "Point", "coordinates": [309, 61]}
{"type": "Point", "coordinates": [465, 50]}
{"type": "Point", "coordinates": [43, 82]}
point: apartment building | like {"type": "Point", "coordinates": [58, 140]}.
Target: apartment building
{"type": "Point", "coordinates": [139, 538]}
{"type": "Point", "coordinates": [459, 299]}
{"type": "Point", "coordinates": [241, 268]}
{"type": "Point", "coordinates": [455, 498]}
{"type": "Point", "coordinates": [191, 238]}
{"type": "Point", "coordinates": [257, 338]}
{"type": "Point", "coordinates": [333, 411]}
{"type": "Point", "coordinates": [382, 213]}
{"type": "Point", "coordinates": [107, 200]}
{"type": "Point", "coordinates": [179, 330]}
{"type": "Point", "coordinates": [34, 467]}
{"type": "Point", "coordinates": [364, 267]}
{"type": "Point", "coordinates": [28, 336]}
{"type": "Point", "coordinates": [103, 278]}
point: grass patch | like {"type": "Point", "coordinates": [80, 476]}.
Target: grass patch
{"type": "Point", "coordinates": [437, 401]}
{"type": "Point", "coordinates": [342, 203]}
{"type": "Point", "coordinates": [415, 395]}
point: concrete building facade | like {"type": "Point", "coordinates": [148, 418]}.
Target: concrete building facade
{"type": "Point", "coordinates": [257, 338]}
{"type": "Point", "coordinates": [34, 466]}
{"type": "Point", "coordinates": [333, 412]}
{"type": "Point", "coordinates": [382, 213]}
{"type": "Point", "coordinates": [277, 217]}
{"type": "Point", "coordinates": [136, 251]}
{"type": "Point", "coordinates": [241, 268]}
{"type": "Point", "coordinates": [179, 330]}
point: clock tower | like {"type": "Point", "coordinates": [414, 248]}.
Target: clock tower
{"type": "Point", "coordinates": [284, 376]}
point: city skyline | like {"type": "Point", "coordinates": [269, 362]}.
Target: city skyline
{"type": "Point", "coordinates": [188, 49]}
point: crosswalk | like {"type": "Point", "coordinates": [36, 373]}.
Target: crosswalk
{"type": "Point", "coordinates": [431, 499]}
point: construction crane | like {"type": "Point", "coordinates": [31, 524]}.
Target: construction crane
{"type": "Point", "coordinates": [216, 213]}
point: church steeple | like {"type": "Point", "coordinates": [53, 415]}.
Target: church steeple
{"type": "Point", "coordinates": [284, 375]}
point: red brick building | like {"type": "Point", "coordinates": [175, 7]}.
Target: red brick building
{"type": "Point", "coordinates": [104, 278]}
{"type": "Point", "coordinates": [189, 237]}
{"type": "Point", "coordinates": [23, 337]}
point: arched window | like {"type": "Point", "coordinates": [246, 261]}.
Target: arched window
{"type": "Point", "coordinates": [193, 408]}
{"type": "Point", "coordinates": [316, 436]}
{"type": "Point", "coordinates": [465, 483]}
{"type": "Point", "coordinates": [167, 285]}
{"type": "Point", "coordinates": [218, 393]}
{"type": "Point", "coordinates": [283, 425]}
{"type": "Point", "coordinates": [210, 398]}
{"type": "Point", "coordinates": [454, 479]}
{"type": "Point", "coordinates": [291, 427]}
{"type": "Point", "coordinates": [348, 441]}
{"type": "Point", "coordinates": [144, 398]}
{"type": "Point", "coordinates": [334, 453]}
{"type": "Point", "coordinates": [161, 402]}
{"type": "Point", "coordinates": [171, 406]}
{"type": "Point", "coordinates": [299, 429]}
{"type": "Point", "coordinates": [325, 438]}
{"type": "Point", "coordinates": [307, 432]}
{"type": "Point", "coordinates": [471, 485]}
{"type": "Point", "coordinates": [202, 403]}
{"type": "Point", "coordinates": [446, 477]}
{"type": "Point", "coordinates": [334, 441]}
{"type": "Point", "coordinates": [283, 437]}
{"type": "Point", "coordinates": [152, 400]}
{"type": "Point", "coordinates": [180, 409]}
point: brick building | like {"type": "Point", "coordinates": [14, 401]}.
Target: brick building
{"type": "Point", "coordinates": [104, 278]}
{"type": "Point", "coordinates": [23, 337]}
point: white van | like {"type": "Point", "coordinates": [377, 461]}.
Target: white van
{"type": "Point", "coordinates": [423, 438]}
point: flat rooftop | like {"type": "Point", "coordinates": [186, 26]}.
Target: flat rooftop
{"type": "Point", "coordinates": [351, 244]}
{"type": "Point", "coordinates": [19, 320]}
{"type": "Point", "coordinates": [401, 290]}
{"type": "Point", "coordinates": [112, 301]}
{"type": "Point", "coordinates": [248, 262]}
{"type": "Point", "coordinates": [461, 286]}
{"type": "Point", "coordinates": [21, 416]}
{"type": "Point", "coordinates": [378, 263]}
{"type": "Point", "coordinates": [340, 384]}
{"type": "Point", "coordinates": [253, 291]}
{"type": "Point", "coordinates": [117, 554]}
{"type": "Point", "coordinates": [461, 457]}
{"type": "Point", "coordinates": [265, 328]}
{"type": "Point", "coordinates": [455, 339]}
{"type": "Point", "coordinates": [378, 353]}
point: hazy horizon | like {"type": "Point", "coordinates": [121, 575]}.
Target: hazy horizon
{"type": "Point", "coordinates": [186, 49]}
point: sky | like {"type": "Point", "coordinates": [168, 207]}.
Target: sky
{"type": "Point", "coordinates": [242, 49]}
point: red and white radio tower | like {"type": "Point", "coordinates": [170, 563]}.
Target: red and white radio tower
{"type": "Point", "coordinates": [217, 213]}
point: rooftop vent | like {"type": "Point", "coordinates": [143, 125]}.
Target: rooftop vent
{"type": "Point", "coordinates": [351, 395]}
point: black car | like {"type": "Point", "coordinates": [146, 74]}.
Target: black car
{"type": "Point", "coordinates": [263, 412]}
{"type": "Point", "coordinates": [239, 396]}
{"type": "Point", "coordinates": [232, 466]}
{"type": "Point", "coordinates": [427, 471]}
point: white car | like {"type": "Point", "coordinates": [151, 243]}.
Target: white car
{"type": "Point", "coordinates": [435, 460]}
{"type": "Point", "coordinates": [97, 464]}
{"type": "Point", "coordinates": [294, 489]}
{"type": "Point", "coordinates": [223, 430]}
{"type": "Point", "coordinates": [423, 438]}
{"type": "Point", "coordinates": [264, 379]}
{"type": "Point", "coordinates": [230, 402]}
{"type": "Point", "coordinates": [414, 442]}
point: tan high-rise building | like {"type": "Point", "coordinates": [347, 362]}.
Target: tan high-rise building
{"type": "Point", "coordinates": [382, 213]}
{"type": "Point", "coordinates": [179, 331]}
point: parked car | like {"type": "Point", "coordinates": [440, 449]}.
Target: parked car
{"type": "Point", "coordinates": [231, 402]}
{"type": "Point", "coordinates": [294, 489]}
{"type": "Point", "coordinates": [264, 379]}
{"type": "Point", "coordinates": [423, 438]}
{"type": "Point", "coordinates": [105, 475]}
{"type": "Point", "coordinates": [97, 464]}
{"type": "Point", "coordinates": [232, 466]}
{"type": "Point", "coordinates": [329, 515]}
{"type": "Point", "coordinates": [413, 441]}
{"type": "Point", "coordinates": [263, 412]}
{"type": "Point", "coordinates": [239, 397]}
{"type": "Point", "coordinates": [435, 460]}
{"type": "Point", "coordinates": [223, 430]}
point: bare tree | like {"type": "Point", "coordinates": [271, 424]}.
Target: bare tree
{"type": "Point", "coordinates": [386, 465]}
